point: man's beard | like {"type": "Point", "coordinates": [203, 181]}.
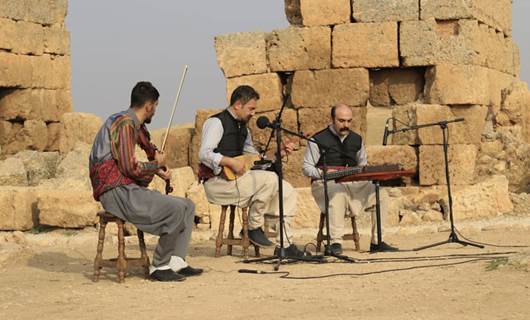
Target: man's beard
{"type": "Point", "coordinates": [344, 131]}
{"type": "Point", "coordinates": [148, 120]}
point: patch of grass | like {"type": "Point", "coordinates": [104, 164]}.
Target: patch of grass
{"type": "Point", "coordinates": [40, 229]}
{"type": "Point", "coordinates": [496, 263]}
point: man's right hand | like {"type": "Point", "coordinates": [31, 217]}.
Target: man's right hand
{"type": "Point", "coordinates": [160, 158]}
{"type": "Point", "coordinates": [237, 166]}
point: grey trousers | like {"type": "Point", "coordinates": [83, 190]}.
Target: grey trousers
{"type": "Point", "coordinates": [169, 217]}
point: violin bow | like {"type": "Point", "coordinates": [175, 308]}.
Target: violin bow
{"type": "Point", "coordinates": [175, 105]}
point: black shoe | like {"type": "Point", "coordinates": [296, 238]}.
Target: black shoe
{"type": "Point", "coordinates": [258, 237]}
{"type": "Point", "coordinates": [292, 252]}
{"type": "Point", "coordinates": [166, 276]}
{"type": "Point", "coordinates": [335, 249]}
{"type": "Point", "coordinates": [190, 271]}
{"type": "Point", "coordinates": [384, 247]}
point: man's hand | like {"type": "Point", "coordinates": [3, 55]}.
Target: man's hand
{"type": "Point", "coordinates": [287, 147]}
{"type": "Point", "coordinates": [237, 166]}
{"type": "Point", "coordinates": [164, 174]}
{"type": "Point", "coordinates": [160, 158]}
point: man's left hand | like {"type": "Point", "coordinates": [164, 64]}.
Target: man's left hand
{"type": "Point", "coordinates": [287, 147]}
{"type": "Point", "coordinates": [164, 174]}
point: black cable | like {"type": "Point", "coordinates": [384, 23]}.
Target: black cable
{"type": "Point", "coordinates": [489, 244]}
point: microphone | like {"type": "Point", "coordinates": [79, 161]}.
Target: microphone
{"type": "Point", "coordinates": [250, 271]}
{"type": "Point", "coordinates": [263, 122]}
{"type": "Point", "coordinates": [385, 133]}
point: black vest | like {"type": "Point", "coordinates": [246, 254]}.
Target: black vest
{"type": "Point", "coordinates": [351, 145]}
{"type": "Point", "coordinates": [234, 135]}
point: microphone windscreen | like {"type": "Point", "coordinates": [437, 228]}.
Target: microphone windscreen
{"type": "Point", "coordinates": [262, 122]}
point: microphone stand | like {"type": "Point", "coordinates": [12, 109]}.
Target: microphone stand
{"type": "Point", "coordinates": [453, 237]}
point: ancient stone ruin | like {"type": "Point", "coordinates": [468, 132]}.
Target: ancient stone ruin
{"type": "Point", "coordinates": [419, 61]}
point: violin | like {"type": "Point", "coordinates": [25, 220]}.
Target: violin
{"type": "Point", "coordinates": [144, 141]}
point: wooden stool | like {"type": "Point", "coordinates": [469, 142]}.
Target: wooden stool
{"type": "Point", "coordinates": [230, 240]}
{"type": "Point", "coordinates": [353, 236]}
{"type": "Point", "coordinates": [121, 262]}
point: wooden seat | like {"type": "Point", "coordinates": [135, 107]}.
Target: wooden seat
{"type": "Point", "coordinates": [122, 262]}
{"type": "Point", "coordinates": [322, 237]}
{"type": "Point", "coordinates": [230, 240]}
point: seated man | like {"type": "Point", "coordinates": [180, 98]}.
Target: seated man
{"type": "Point", "coordinates": [226, 136]}
{"type": "Point", "coordinates": [119, 182]}
{"type": "Point", "coordinates": [350, 198]}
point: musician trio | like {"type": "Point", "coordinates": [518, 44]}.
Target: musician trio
{"type": "Point", "coordinates": [120, 181]}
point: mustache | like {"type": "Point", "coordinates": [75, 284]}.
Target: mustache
{"type": "Point", "coordinates": [344, 129]}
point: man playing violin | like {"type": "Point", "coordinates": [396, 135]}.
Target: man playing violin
{"type": "Point", "coordinates": [226, 136]}
{"type": "Point", "coordinates": [349, 198]}
{"type": "Point", "coordinates": [120, 181]}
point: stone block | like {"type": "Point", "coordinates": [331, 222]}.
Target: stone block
{"type": "Point", "coordinates": [497, 83]}
{"type": "Point", "coordinates": [490, 198]}
{"type": "Point", "coordinates": [370, 45]}
{"type": "Point", "coordinates": [396, 86]}
{"type": "Point", "coordinates": [317, 12]}
{"type": "Point", "coordinates": [67, 208]}
{"type": "Point", "coordinates": [34, 135]}
{"type": "Point", "coordinates": [5, 132]}
{"type": "Point", "coordinates": [54, 135]}
{"type": "Point", "coordinates": [328, 87]}
{"type": "Point", "coordinates": [78, 127]}
{"type": "Point", "coordinates": [13, 143]}
{"type": "Point", "coordinates": [386, 10]}
{"type": "Point", "coordinates": [177, 144]}
{"type": "Point", "coordinates": [307, 211]}
{"type": "Point", "coordinates": [268, 86]}
{"type": "Point", "coordinates": [39, 104]}
{"type": "Point", "coordinates": [402, 155]}
{"type": "Point", "coordinates": [39, 165]}
{"type": "Point", "coordinates": [13, 173]}
{"type": "Point", "coordinates": [200, 117]}
{"type": "Point", "coordinates": [15, 70]}
{"type": "Point", "coordinates": [15, 37]}
{"type": "Point", "coordinates": [261, 136]}
{"type": "Point", "coordinates": [13, 9]}
{"type": "Point", "coordinates": [292, 169]}
{"type": "Point", "coordinates": [16, 209]}
{"type": "Point", "coordinates": [515, 101]}
{"type": "Point", "coordinates": [494, 13]}
{"type": "Point", "coordinates": [242, 53]}
{"type": "Point", "coordinates": [299, 49]}
{"type": "Point", "coordinates": [467, 132]}
{"type": "Point", "coordinates": [182, 180]}
{"type": "Point", "coordinates": [56, 40]}
{"type": "Point", "coordinates": [461, 164]}
{"type": "Point", "coordinates": [457, 84]}
{"type": "Point", "coordinates": [313, 120]}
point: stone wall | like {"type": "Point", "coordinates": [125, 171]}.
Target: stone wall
{"type": "Point", "coordinates": [35, 80]}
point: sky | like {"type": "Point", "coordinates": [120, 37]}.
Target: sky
{"type": "Point", "coordinates": [116, 43]}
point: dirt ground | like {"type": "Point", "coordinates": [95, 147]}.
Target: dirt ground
{"type": "Point", "coordinates": [50, 277]}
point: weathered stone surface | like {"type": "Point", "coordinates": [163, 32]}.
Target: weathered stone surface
{"type": "Point", "coordinates": [515, 102]}
{"type": "Point", "coordinates": [67, 208]}
{"type": "Point", "coordinates": [490, 198]}
{"type": "Point", "coordinates": [54, 136]}
{"type": "Point", "coordinates": [197, 194]}
{"type": "Point", "coordinates": [177, 144]}
{"type": "Point", "coordinates": [317, 12]}
{"type": "Point", "coordinates": [389, 10]}
{"type": "Point", "coordinates": [299, 49]}
{"type": "Point", "coordinates": [15, 70]}
{"type": "Point", "coordinates": [377, 118]}
{"type": "Point", "coordinates": [461, 164]}
{"type": "Point", "coordinates": [74, 165]}
{"type": "Point", "coordinates": [56, 40]}
{"type": "Point", "coordinates": [313, 89]}
{"type": "Point", "coordinates": [5, 132]}
{"type": "Point", "coordinates": [38, 165]}
{"type": "Point", "coordinates": [268, 85]}
{"type": "Point", "coordinates": [312, 120]}
{"type": "Point", "coordinates": [292, 169]}
{"type": "Point", "coordinates": [13, 173]}
{"type": "Point", "coordinates": [307, 211]}
{"type": "Point", "coordinates": [242, 53]}
{"type": "Point", "coordinates": [15, 37]}
{"type": "Point", "coordinates": [45, 12]}
{"type": "Point", "coordinates": [467, 132]}
{"type": "Point", "coordinates": [51, 72]}
{"type": "Point", "coordinates": [400, 86]}
{"type": "Point", "coordinates": [16, 209]}
{"type": "Point", "coordinates": [403, 155]}
{"type": "Point", "coordinates": [368, 45]}
{"type": "Point", "coordinates": [457, 84]}
{"type": "Point", "coordinates": [181, 180]}
{"type": "Point", "coordinates": [495, 13]}
{"type": "Point", "coordinates": [431, 42]}
{"type": "Point", "coordinates": [497, 82]}
{"type": "Point", "coordinates": [40, 104]}
{"type": "Point", "coordinates": [34, 135]}
{"type": "Point", "coordinates": [78, 127]}
{"type": "Point", "coordinates": [201, 116]}
{"type": "Point", "coordinates": [261, 136]}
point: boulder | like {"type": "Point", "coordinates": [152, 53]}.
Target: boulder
{"type": "Point", "coordinates": [67, 208]}
{"type": "Point", "coordinates": [39, 165]}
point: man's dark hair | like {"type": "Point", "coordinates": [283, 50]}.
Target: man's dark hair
{"type": "Point", "coordinates": [143, 92]}
{"type": "Point", "coordinates": [243, 94]}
